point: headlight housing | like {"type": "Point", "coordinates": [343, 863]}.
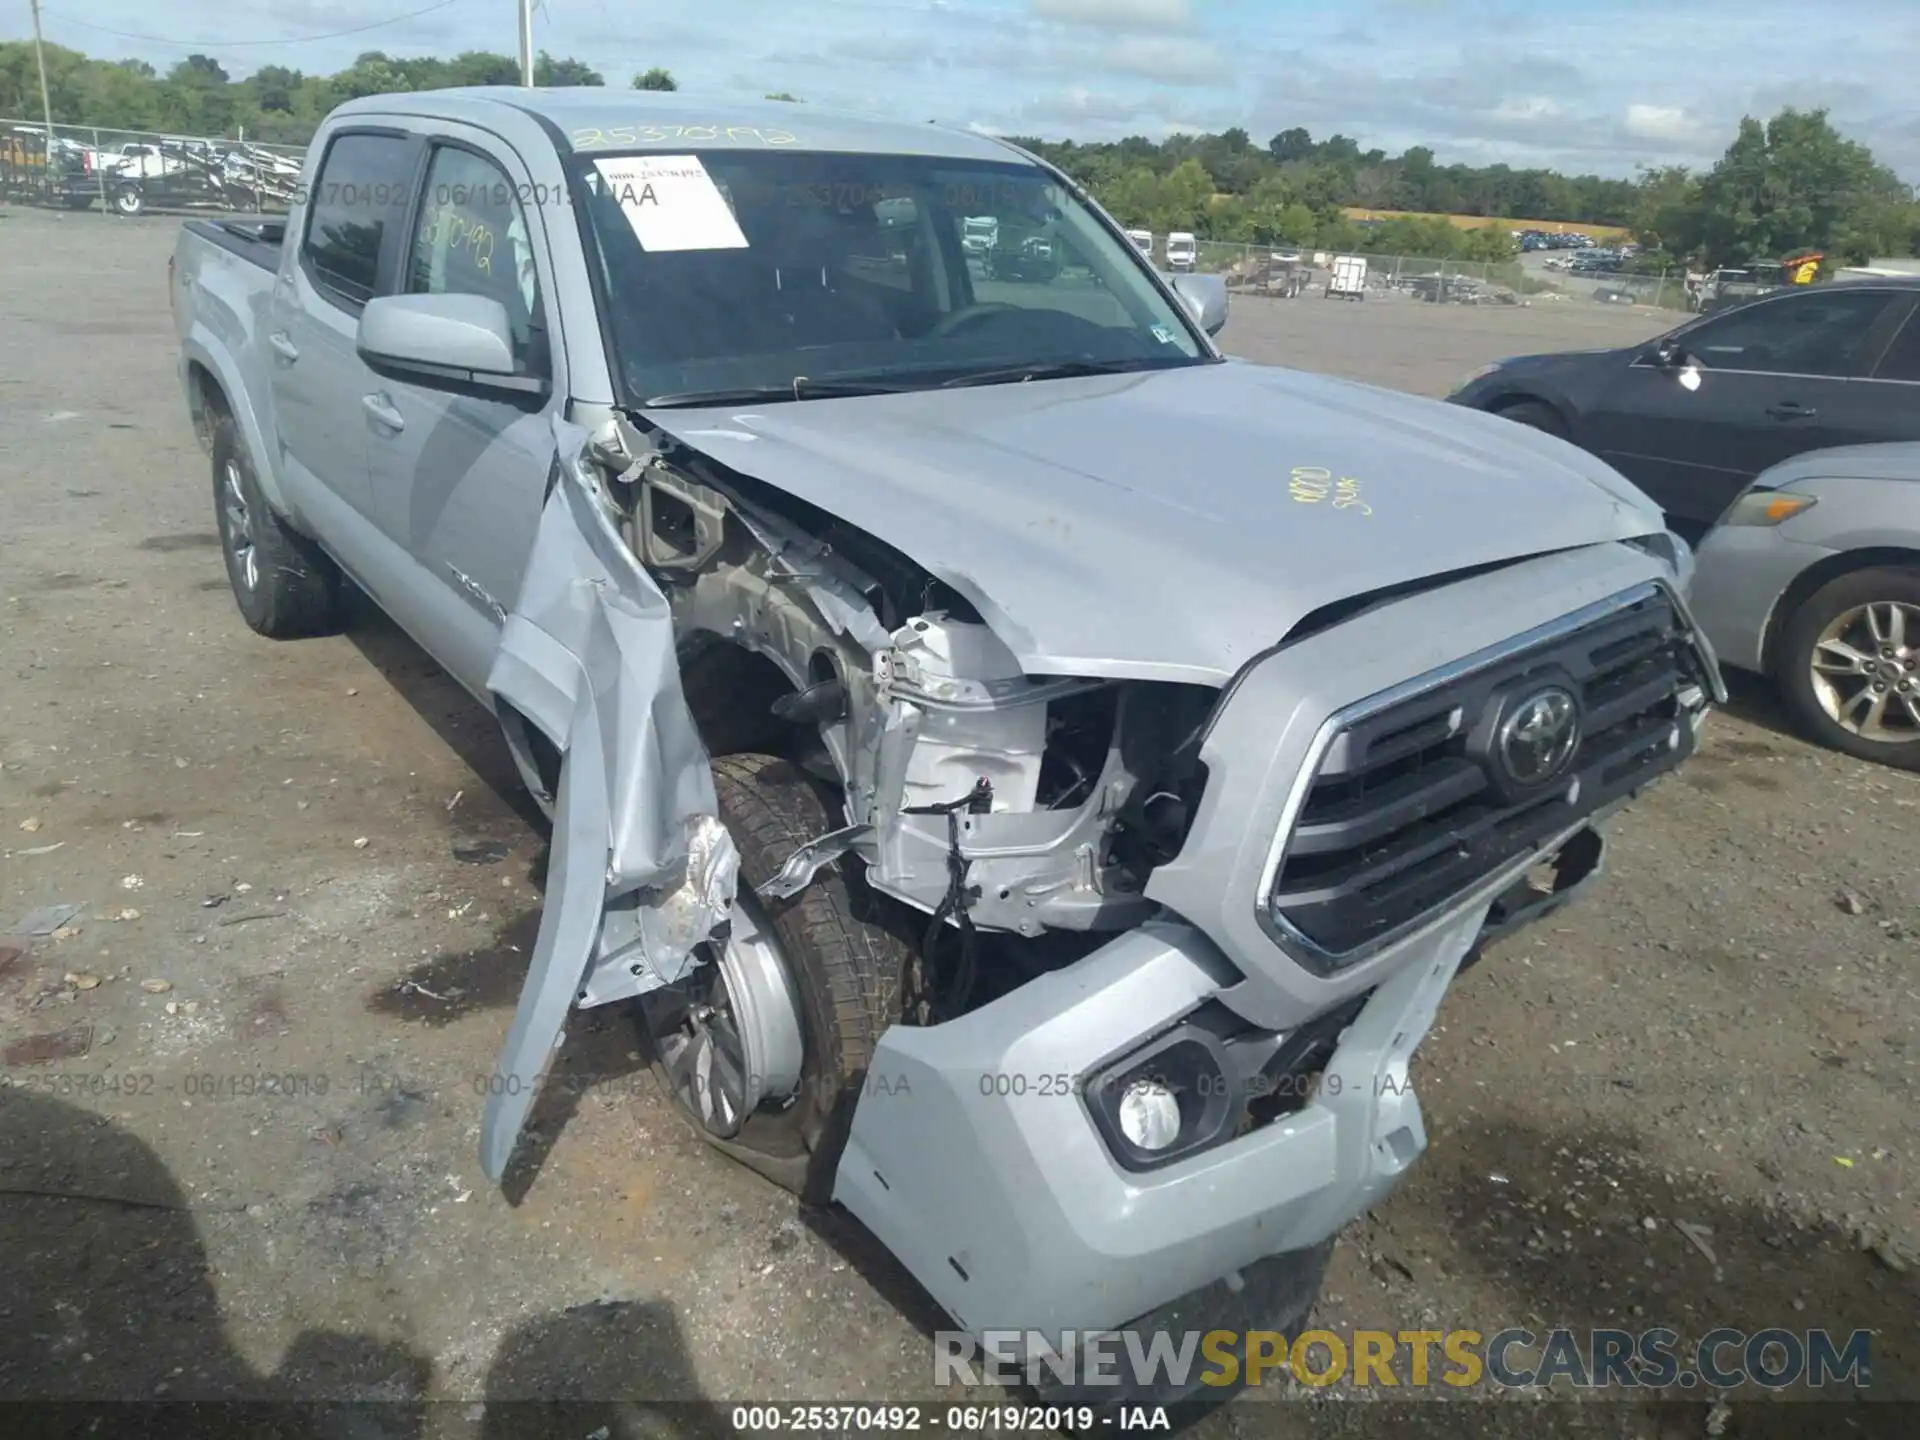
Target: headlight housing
{"type": "Point", "coordinates": [1766, 507]}
{"type": "Point", "coordinates": [1672, 549]}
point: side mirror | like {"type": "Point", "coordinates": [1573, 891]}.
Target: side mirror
{"type": "Point", "coordinates": [1669, 354]}
{"type": "Point", "coordinates": [1205, 296]}
{"type": "Point", "coordinates": [448, 340]}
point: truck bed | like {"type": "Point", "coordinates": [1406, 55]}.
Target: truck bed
{"type": "Point", "coordinates": [254, 238]}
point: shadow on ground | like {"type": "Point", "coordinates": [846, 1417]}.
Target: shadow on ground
{"type": "Point", "coordinates": [455, 716]}
{"type": "Point", "coordinates": [1559, 1225]}
{"type": "Point", "coordinates": [110, 1324]}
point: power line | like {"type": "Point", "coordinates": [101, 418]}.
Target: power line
{"type": "Point", "coordinates": [239, 44]}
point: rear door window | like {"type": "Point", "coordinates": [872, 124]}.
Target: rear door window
{"type": "Point", "coordinates": [1902, 360]}
{"type": "Point", "coordinates": [358, 207]}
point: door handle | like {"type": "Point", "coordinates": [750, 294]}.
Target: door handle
{"type": "Point", "coordinates": [283, 347]}
{"type": "Point", "coordinates": [1791, 410]}
{"type": "Point", "coordinates": [381, 409]}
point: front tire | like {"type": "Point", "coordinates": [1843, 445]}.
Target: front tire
{"type": "Point", "coordinates": [285, 586]}
{"type": "Point", "coordinates": [1536, 416]}
{"type": "Point", "coordinates": [128, 201]}
{"type": "Point", "coordinates": [1849, 665]}
{"type": "Point", "coordinates": [839, 972]}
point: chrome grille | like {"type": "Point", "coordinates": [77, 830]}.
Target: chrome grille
{"type": "Point", "coordinates": [1411, 804]}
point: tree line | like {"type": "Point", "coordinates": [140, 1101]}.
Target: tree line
{"type": "Point", "coordinates": [1789, 184]}
{"type": "Point", "coordinates": [274, 104]}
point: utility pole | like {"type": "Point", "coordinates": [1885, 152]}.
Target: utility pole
{"type": "Point", "coordinates": [526, 40]}
{"type": "Point", "coordinates": [46, 105]}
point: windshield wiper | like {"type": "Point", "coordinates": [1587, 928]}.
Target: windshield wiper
{"type": "Point", "coordinates": [798, 388]}
{"type": "Point", "coordinates": [1051, 370]}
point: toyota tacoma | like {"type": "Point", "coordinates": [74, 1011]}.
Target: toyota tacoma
{"type": "Point", "coordinates": [1031, 777]}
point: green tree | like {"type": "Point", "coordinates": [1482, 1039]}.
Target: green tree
{"type": "Point", "coordinates": [655, 79]}
{"type": "Point", "coordinates": [1294, 144]}
{"type": "Point", "coordinates": [549, 71]}
{"type": "Point", "coordinates": [1794, 184]}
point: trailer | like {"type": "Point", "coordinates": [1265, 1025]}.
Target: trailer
{"type": "Point", "coordinates": [1347, 278]}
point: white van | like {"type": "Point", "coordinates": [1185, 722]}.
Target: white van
{"type": "Point", "coordinates": [1182, 250]}
{"type": "Point", "coordinates": [1142, 240]}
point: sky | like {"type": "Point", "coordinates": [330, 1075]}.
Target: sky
{"type": "Point", "coordinates": [1601, 86]}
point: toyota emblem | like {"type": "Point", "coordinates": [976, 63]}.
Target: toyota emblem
{"type": "Point", "coordinates": [1537, 737]}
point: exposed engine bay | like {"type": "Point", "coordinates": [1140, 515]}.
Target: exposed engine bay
{"type": "Point", "coordinates": [1006, 807]}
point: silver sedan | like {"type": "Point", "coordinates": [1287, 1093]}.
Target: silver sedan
{"type": "Point", "coordinates": [1812, 578]}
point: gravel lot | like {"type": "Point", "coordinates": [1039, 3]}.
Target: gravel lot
{"type": "Point", "coordinates": [308, 861]}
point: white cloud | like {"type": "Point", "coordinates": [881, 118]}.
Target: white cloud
{"type": "Point", "coordinates": [1175, 59]}
{"type": "Point", "coordinates": [1662, 122]}
{"type": "Point", "coordinates": [1117, 14]}
{"type": "Point", "coordinates": [1532, 107]}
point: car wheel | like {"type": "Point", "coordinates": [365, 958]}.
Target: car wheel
{"type": "Point", "coordinates": [765, 1047]}
{"type": "Point", "coordinates": [1533, 413]}
{"type": "Point", "coordinates": [285, 586]}
{"type": "Point", "coordinates": [128, 200]}
{"type": "Point", "coordinates": [1849, 665]}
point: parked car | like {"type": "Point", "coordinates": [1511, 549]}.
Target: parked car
{"type": "Point", "coordinates": [1694, 416]}
{"type": "Point", "coordinates": [1812, 578]}
{"type": "Point", "coordinates": [1034, 257]}
{"type": "Point", "coordinates": [939, 701]}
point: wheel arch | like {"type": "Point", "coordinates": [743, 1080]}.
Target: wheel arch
{"type": "Point", "coordinates": [1817, 576]}
{"type": "Point", "coordinates": [1511, 399]}
{"type": "Point", "coordinates": [207, 402]}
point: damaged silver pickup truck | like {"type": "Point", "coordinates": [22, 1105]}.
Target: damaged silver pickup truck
{"type": "Point", "coordinates": [1031, 777]}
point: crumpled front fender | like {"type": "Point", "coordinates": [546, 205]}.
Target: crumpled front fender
{"type": "Point", "coordinates": [587, 657]}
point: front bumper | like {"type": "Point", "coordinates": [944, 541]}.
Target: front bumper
{"type": "Point", "coordinates": [1739, 574]}
{"type": "Point", "coordinates": [975, 1161]}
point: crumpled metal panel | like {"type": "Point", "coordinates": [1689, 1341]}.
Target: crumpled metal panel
{"type": "Point", "coordinates": [587, 655]}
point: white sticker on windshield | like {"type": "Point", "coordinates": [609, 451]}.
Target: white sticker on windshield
{"type": "Point", "coordinates": [1163, 335]}
{"type": "Point", "coordinates": [671, 203]}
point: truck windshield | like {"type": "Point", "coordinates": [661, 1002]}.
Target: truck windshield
{"type": "Point", "coordinates": [767, 275]}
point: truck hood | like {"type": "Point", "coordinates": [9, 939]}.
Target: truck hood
{"type": "Point", "coordinates": [1173, 524]}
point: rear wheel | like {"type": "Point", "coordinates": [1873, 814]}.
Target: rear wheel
{"type": "Point", "coordinates": [1536, 415]}
{"type": "Point", "coordinates": [128, 200]}
{"type": "Point", "coordinates": [1849, 665]}
{"type": "Point", "coordinates": [284, 584]}
{"type": "Point", "coordinates": [764, 1048]}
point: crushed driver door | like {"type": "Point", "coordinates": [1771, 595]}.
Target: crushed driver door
{"type": "Point", "coordinates": [641, 870]}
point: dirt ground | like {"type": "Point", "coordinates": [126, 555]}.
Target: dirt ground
{"type": "Point", "coordinates": [237, 1150]}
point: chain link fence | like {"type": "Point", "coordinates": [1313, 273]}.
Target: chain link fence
{"type": "Point", "coordinates": [131, 172]}
{"type": "Point", "coordinates": [1287, 272]}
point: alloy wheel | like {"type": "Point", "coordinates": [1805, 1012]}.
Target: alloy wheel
{"type": "Point", "coordinates": [1866, 671]}
{"type": "Point", "coordinates": [239, 525]}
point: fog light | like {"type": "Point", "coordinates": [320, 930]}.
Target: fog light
{"type": "Point", "coordinates": [1149, 1115]}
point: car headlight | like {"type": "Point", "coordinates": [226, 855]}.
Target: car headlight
{"type": "Point", "coordinates": [1766, 507]}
